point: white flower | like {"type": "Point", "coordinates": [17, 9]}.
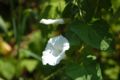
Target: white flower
{"type": "Point", "coordinates": [55, 50]}
{"type": "Point", "coordinates": [52, 21]}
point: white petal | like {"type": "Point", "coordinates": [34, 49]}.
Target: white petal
{"type": "Point", "coordinates": [52, 21]}
{"type": "Point", "coordinates": [55, 50]}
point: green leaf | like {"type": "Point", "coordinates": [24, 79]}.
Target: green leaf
{"type": "Point", "coordinates": [88, 69]}
{"type": "Point", "coordinates": [7, 69]}
{"type": "Point", "coordinates": [87, 8]}
{"type": "Point", "coordinates": [115, 4]}
{"type": "Point", "coordinates": [73, 38]}
{"type": "Point", "coordinates": [49, 10]}
{"type": "Point", "coordinates": [36, 42]}
{"type": "Point", "coordinates": [3, 25]}
{"type": "Point", "coordinates": [104, 45]}
{"type": "Point", "coordinates": [29, 64]}
{"type": "Point", "coordinates": [86, 33]}
{"type": "Point", "coordinates": [82, 72]}
{"type": "Point", "coordinates": [74, 71]}
{"type": "Point", "coordinates": [70, 10]}
{"type": "Point", "coordinates": [101, 27]}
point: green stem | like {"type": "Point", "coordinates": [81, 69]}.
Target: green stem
{"type": "Point", "coordinates": [35, 56]}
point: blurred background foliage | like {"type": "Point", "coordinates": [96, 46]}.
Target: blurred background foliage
{"type": "Point", "coordinates": [92, 28]}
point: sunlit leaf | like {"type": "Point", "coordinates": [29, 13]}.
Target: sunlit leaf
{"type": "Point", "coordinates": [104, 45]}
{"type": "Point", "coordinates": [3, 25]}
{"type": "Point", "coordinates": [7, 69]}
{"type": "Point", "coordinates": [29, 64]}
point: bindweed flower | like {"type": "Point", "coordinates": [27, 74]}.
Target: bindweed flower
{"type": "Point", "coordinates": [52, 21]}
{"type": "Point", "coordinates": [55, 50]}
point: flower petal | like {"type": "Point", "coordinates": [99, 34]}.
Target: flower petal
{"type": "Point", "coordinates": [52, 21]}
{"type": "Point", "coordinates": [55, 50]}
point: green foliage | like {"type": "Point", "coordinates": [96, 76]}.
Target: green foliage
{"type": "Point", "coordinates": [7, 69]}
{"type": "Point", "coordinates": [36, 41]}
{"type": "Point", "coordinates": [88, 69]}
{"type": "Point", "coordinates": [70, 10]}
{"type": "Point", "coordinates": [92, 28]}
{"type": "Point", "coordinates": [86, 33]}
{"type": "Point", "coordinates": [27, 64]}
{"type": "Point", "coordinates": [52, 9]}
{"type": "Point", "coordinates": [3, 25]}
